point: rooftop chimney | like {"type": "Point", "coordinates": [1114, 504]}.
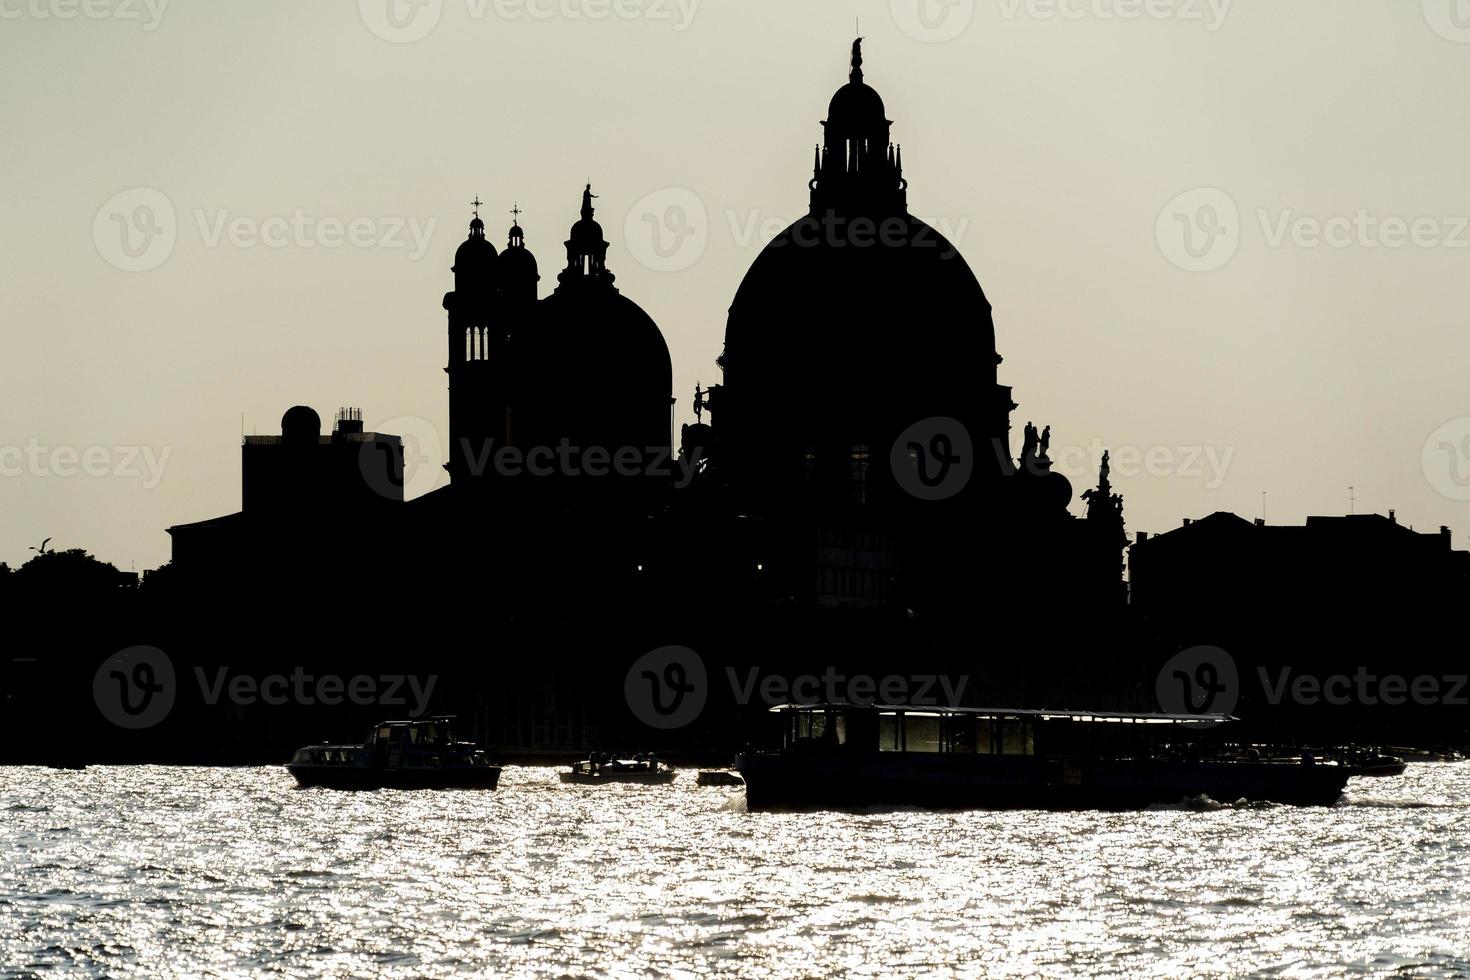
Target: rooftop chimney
{"type": "Point", "coordinates": [349, 422]}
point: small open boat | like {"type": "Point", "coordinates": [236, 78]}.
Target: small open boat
{"type": "Point", "coordinates": [1361, 763]}
{"type": "Point", "coordinates": [603, 768]}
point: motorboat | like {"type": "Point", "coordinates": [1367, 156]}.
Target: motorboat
{"type": "Point", "coordinates": [415, 754]}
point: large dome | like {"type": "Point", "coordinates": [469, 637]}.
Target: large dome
{"type": "Point", "coordinates": [859, 318]}
{"type": "Point", "coordinates": [604, 368]}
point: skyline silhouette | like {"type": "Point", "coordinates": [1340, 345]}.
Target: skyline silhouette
{"type": "Point", "coordinates": [1274, 362]}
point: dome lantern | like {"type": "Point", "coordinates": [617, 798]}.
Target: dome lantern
{"type": "Point", "coordinates": [586, 248]}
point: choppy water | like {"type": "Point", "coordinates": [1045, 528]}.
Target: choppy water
{"type": "Point", "coordinates": [159, 872]}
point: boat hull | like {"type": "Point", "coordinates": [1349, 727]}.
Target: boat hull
{"type": "Point", "coordinates": [956, 781]}
{"type": "Point", "coordinates": [660, 778]}
{"type": "Point", "coordinates": [362, 777]}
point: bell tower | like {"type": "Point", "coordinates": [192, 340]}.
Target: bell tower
{"type": "Point", "coordinates": [479, 400]}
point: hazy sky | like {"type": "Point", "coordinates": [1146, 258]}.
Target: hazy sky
{"type": "Point", "coordinates": [217, 210]}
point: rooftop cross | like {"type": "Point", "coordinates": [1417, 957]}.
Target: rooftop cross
{"type": "Point", "coordinates": [476, 205]}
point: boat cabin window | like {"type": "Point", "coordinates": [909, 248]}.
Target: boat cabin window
{"type": "Point", "coordinates": [921, 733]}
{"type": "Point", "coordinates": [890, 734]}
{"type": "Point", "coordinates": [1014, 736]}
{"type": "Point", "coordinates": [817, 726]}
{"type": "Point", "coordinates": [959, 733]}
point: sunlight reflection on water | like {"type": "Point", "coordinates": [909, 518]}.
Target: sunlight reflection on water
{"type": "Point", "coordinates": [152, 871]}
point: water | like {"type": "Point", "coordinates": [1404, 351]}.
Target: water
{"type": "Point", "coordinates": [150, 871]}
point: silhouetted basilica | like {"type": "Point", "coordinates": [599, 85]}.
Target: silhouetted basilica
{"type": "Point", "coordinates": [848, 497]}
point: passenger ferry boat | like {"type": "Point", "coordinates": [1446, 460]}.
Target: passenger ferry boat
{"type": "Point", "coordinates": [418, 754]}
{"type": "Point", "coordinates": [835, 756]}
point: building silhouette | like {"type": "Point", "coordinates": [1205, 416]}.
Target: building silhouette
{"type": "Point", "coordinates": [849, 495]}
{"type": "Point", "coordinates": [1333, 598]}
{"type": "Point", "coordinates": [856, 495]}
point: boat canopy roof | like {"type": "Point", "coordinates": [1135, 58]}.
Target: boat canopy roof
{"type": "Point", "coordinates": [1047, 714]}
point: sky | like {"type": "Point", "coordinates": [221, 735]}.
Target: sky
{"type": "Point", "coordinates": [1226, 240]}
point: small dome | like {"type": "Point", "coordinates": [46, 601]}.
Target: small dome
{"type": "Point", "coordinates": [856, 105]}
{"type": "Point", "coordinates": [587, 232]}
{"type": "Point", "coordinates": [301, 424]}
{"type": "Point", "coordinates": [516, 261]}
{"type": "Point", "coordinates": [474, 251]}
{"type": "Point", "coordinates": [474, 260]}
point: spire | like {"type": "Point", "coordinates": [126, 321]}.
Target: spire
{"type": "Point", "coordinates": [516, 238]}
{"type": "Point", "coordinates": [856, 75]}
{"type": "Point", "coordinates": [477, 227]}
